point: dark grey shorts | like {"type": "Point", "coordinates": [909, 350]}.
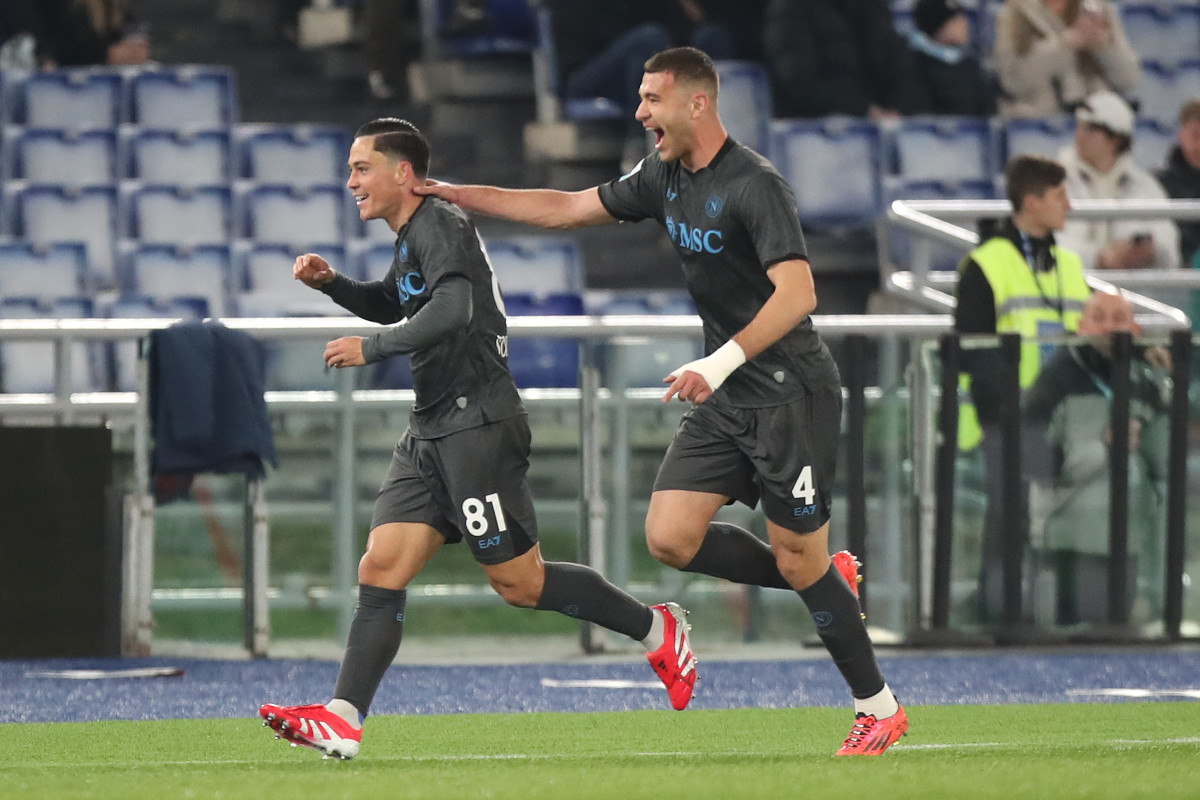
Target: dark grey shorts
{"type": "Point", "coordinates": [468, 485]}
{"type": "Point", "coordinates": [787, 455]}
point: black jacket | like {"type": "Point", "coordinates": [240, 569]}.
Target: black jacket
{"type": "Point", "coordinates": [833, 57]}
{"type": "Point", "coordinates": [1182, 182]}
{"type": "Point", "coordinates": [206, 401]}
{"type": "Point", "coordinates": [937, 87]}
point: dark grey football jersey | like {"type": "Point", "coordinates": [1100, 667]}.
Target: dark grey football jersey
{"type": "Point", "coordinates": [462, 380]}
{"type": "Point", "coordinates": [730, 222]}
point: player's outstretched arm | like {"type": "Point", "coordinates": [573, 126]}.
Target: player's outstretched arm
{"type": "Point", "coordinates": [542, 208]}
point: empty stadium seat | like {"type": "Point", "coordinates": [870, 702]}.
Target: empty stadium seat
{"type": "Point", "coordinates": [744, 100]}
{"type": "Point", "coordinates": [1038, 137]}
{"type": "Point", "coordinates": [294, 214]}
{"type": "Point", "coordinates": [42, 272]}
{"type": "Point", "coordinates": [296, 155]}
{"type": "Point", "coordinates": [1166, 32]}
{"type": "Point", "coordinates": [68, 157]}
{"type": "Point", "coordinates": [72, 98]}
{"type": "Point", "coordinates": [944, 148]}
{"type": "Point", "coordinates": [536, 264]}
{"type": "Point", "coordinates": [48, 214]}
{"type": "Point", "coordinates": [160, 272]}
{"type": "Point", "coordinates": [181, 215]}
{"type": "Point", "coordinates": [182, 97]}
{"type": "Point", "coordinates": [1165, 88]}
{"type": "Point", "coordinates": [266, 274]}
{"type": "Point", "coordinates": [125, 353]}
{"type": "Point", "coordinates": [31, 366]}
{"type": "Point", "coordinates": [370, 260]}
{"type": "Point", "coordinates": [1152, 143]}
{"type": "Point", "coordinates": [542, 361]}
{"type": "Point", "coordinates": [184, 158]}
{"type": "Point", "coordinates": [644, 362]}
{"type": "Point", "coordinates": [941, 256]}
{"type": "Point", "coordinates": [833, 166]}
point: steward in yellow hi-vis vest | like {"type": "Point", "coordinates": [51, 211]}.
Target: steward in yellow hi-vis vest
{"type": "Point", "coordinates": [1017, 281]}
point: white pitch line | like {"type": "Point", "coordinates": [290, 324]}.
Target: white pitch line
{"type": "Point", "coordinates": [1192, 694]}
{"type": "Point", "coordinates": [598, 683]}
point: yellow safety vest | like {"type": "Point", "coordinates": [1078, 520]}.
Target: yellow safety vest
{"type": "Point", "coordinates": [1027, 303]}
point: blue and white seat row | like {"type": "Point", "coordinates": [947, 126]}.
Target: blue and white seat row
{"type": "Point", "coordinates": [287, 154]}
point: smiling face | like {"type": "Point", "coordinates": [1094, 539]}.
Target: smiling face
{"type": "Point", "coordinates": [668, 109]}
{"type": "Point", "coordinates": [376, 183]}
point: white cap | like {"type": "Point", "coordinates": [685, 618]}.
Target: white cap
{"type": "Point", "coordinates": [1108, 110]}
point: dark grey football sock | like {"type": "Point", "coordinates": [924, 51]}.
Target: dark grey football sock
{"type": "Point", "coordinates": [840, 625]}
{"type": "Point", "coordinates": [737, 555]}
{"type": "Point", "coordinates": [372, 644]}
{"type": "Point", "coordinates": [581, 592]}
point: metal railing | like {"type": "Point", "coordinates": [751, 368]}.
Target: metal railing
{"type": "Point", "coordinates": [133, 408]}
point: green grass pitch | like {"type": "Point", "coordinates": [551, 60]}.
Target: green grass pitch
{"type": "Point", "coordinates": [1119, 751]}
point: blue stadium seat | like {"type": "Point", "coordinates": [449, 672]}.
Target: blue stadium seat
{"type": "Point", "coordinates": [73, 98]}
{"type": "Point", "coordinates": [181, 215]}
{"type": "Point", "coordinates": [125, 354]}
{"type": "Point", "coordinates": [160, 272]}
{"type": "Point", "coordinates": [1165, 88]}
{"type": "Point", "coordinates": [266, 274]}
{"type": "Point", "coordinates": [30, 366]}
{"type": "Point", "coordinates": [368, 260]}
{"type": "Point", "coordinates": [644, 362]}
{"type": "Point", "coordinates": [744, 100]}
{"type": "Point", "coordinates": [944, 148]}
{"type": "Point", "coordinates": [42, 272]}
{"type": "Point", "coordinates": [294, 214]}
{"type": "Point", "coordinates": [48, 214]}
{"type": "Point", "coordinates": [1152, 143]}
{"type": "Point", "coordinates": [510, 29]}
{"type": "Point", "coordinates": [183, 97]}
{"type": "Point", "coordinates": [536, 264]}
{"type": "Point", "coordinates": [1038, 137]}
{"type": "Point", "coordinates": [942, 256]}
{"type": "Point", "coordinates": [1166, 32]}
{"type": "Point", "coordinates": [294, 364]}
{"type": "Point", "coordinates": [833, 166]}
{"type": "Point", "coordinates": [183, 158]}
{"type": "Point", "coordinates": [295, 155]}
{"type": "Point", "coordinates": [543, 362]}
{"type": "Point", "coordinates": [67, 157]}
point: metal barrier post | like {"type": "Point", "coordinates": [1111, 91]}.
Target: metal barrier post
{"type": "Point", "coordinates": [1181, 355]}
{"type": "Point", "coordinates": [856, 468]}
{"type": "Point", "coordinates": [947, 455]}
{"type": "Point", "coordinates": [591, 499]}
{"type": "Point", "coordinates": [1118, 480]}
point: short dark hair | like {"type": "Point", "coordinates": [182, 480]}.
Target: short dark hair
{"type": "Point", "coordinates": [1026, 175]}
{"type": "Point", "coordinates": [399, 140]}
{"type": "Point", "coordinates": [1190, 112]}
{"type": "Point", "coordinates": [687, 64]}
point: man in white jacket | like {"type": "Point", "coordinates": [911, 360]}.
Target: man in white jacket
{"type": "Point", "coordinates": [1099, 167]}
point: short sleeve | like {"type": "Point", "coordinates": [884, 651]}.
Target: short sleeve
{"type": "Point", "coordinates": [772, 220]}
{"type": "Point", "coordinates": [636, 195]}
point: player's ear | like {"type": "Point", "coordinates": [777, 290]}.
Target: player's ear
{"type": "Point", "coordinates": [699, 104]}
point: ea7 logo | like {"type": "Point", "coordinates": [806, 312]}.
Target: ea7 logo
{"type": "Point", "coordinates": [804, 511]}
{"type": "Point", "coordinates": [491, 542]}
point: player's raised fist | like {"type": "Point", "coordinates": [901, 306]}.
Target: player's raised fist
{"type": "Point", "coordinates": [312, 270]}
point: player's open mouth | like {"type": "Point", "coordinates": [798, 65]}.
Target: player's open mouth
{"type": "Point", "coordinates": [359, 199]}
{"type": "Point", "coordinates": [658, 137]}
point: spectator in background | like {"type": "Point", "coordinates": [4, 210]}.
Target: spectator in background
{"type": "Point", "coordinates": [727, 28]}
{"type": "Point", "coordinates": [1100, 167]}
{"type": "Point", "coordinates": [1181, 176]}
{"type": "Point", "coordinates": [1050, 54]}
{"type": "Point", "coordinates": [1019, 280]}
{"type": "Point", "coordinates": [1070, 402]}
{"type": "Point", "coordinates": [834, 57]}
{"type": "Point", "coordinates": [86, 32]}
{"type": "Point", "coordinates": [392, 39]}
{"type": "Point", "coordinates": [944, 77]}
{"type": "Point", "coordinates": [602, 47]}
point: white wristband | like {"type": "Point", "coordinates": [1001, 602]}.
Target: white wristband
{"type": "Point", "coordinates": [718, 366]}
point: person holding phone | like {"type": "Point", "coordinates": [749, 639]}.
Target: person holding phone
{"type": "Point", "coordinates": [1050, 54]}
{"type": "Point", "coordinates": [1099, 167]}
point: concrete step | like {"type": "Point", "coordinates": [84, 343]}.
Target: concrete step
{"type": "Point", "coordinates": [509, 77]}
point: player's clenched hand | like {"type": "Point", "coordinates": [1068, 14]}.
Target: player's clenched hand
{"type": "Point", "coordinates": [345, 352]}
{"type": "Point", "coordinates": [446, 191]}
{"type": "Point", "coordinates": [313, 270]}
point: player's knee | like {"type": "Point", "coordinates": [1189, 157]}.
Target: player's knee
{"type": "Point", "coordinates": [374, 569]}
{"type": "Point", "coordinates": [520, 593]}
{"type": "Point", "coordinates": [801, 567]}
{"type": "Point", "coordinates": [668, 546]}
